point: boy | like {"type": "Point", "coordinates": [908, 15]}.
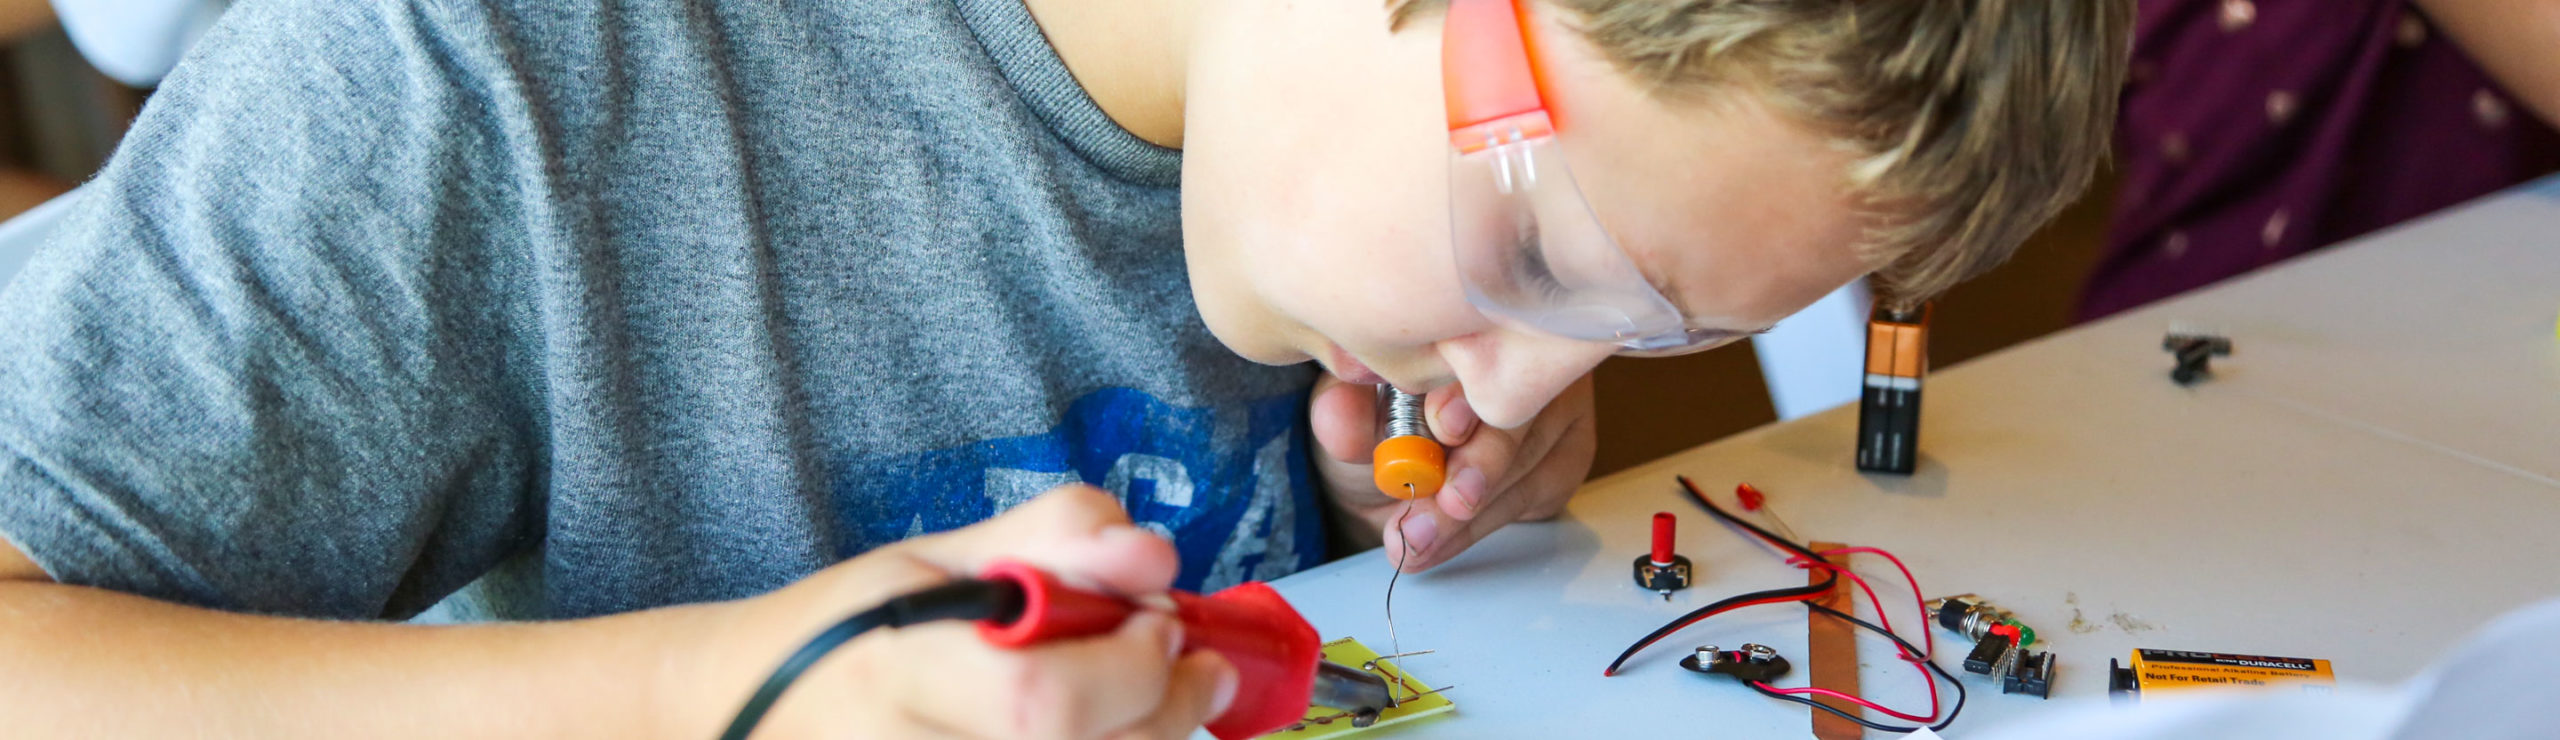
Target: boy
{"type": "Point", "coordinates": [684, 325]}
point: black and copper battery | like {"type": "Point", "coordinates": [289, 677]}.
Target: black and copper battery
{"type": "Point", "coordinates": [1889, 404]}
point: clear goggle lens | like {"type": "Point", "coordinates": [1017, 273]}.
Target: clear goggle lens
{"type": "Point", "coordinates": [1530, 250]}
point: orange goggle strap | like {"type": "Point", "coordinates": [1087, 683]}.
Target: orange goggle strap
{"type": "Point", "coordinates": [1485, 74]}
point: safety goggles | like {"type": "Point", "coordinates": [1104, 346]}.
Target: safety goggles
{"type": "Point", "coordinates": [1529, 249]}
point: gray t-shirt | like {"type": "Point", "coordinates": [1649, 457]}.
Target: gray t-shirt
{"type": "Point", "coordinates": [619, 305]}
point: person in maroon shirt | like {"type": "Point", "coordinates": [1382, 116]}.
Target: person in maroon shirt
{"type": "Point", "coordinates": [2252, 131]}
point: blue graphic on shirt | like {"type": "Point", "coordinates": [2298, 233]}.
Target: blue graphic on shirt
{"type": "Point", "coordinates": [1230, 485]}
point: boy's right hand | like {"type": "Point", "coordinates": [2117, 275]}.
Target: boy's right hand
{"type": "Point", "coordinates": [939, 679]}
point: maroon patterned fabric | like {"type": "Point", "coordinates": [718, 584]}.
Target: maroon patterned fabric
{"type": "Point", "coordinates": [2255, 131]}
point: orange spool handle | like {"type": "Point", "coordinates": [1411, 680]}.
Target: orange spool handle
{"type": "Point", "coordinates": [1409, 467]}
{"type": "Point", "coordinates": [1408, 463]}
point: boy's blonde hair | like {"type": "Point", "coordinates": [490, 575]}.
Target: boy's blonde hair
{"type": "Point", "coordinates": [1972, 121]}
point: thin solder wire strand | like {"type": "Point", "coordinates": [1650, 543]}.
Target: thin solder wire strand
{"type": "Point", "coordinates": [1373, 662]}
{"type": "Point", "coordinates": [1396, 570]}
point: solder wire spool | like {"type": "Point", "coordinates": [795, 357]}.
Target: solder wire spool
{"type": "Point", "coordinates": [1408, 463]}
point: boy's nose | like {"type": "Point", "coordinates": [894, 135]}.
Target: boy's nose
{"type": "Point", "coordinates": [1511, 374]}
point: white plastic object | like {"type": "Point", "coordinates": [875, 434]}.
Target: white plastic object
{"type": "Point", "coordinates": [136, 41]}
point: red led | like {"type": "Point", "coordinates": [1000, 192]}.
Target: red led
{"type": "Point", "coordinates": [1663, 525]}
{"type": "Point", "coordinates": [1751, 497]}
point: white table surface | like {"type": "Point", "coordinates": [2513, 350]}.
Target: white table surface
{"type": "Point", "coordinates": [2373, 474]}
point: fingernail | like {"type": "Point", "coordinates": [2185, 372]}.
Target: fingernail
{"type": "Point", "coordinates": [1457, 419]}
{"type": "Point", "coordinates": [1225, 695]}
{"type": "Point", "coordinates": [1419, 533]}
{"type": "Point", "coordinates": [1172, 638]}
{"type": "Point", "coordinates": [1468, 485]}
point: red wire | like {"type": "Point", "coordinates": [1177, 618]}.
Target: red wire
{"type": "Point", "coordinates": [1925, 678]}
{"type": "Point", "coordinates": [1927, 638]}
{"type": "Point", "coordinates": [1853, 577]}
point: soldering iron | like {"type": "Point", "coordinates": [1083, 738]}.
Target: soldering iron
{"type": "Point", "coordinates": [1279, 662]}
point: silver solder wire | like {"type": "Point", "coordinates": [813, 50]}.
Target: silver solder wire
{"type": "Point", "coordinates": [1395, 570]}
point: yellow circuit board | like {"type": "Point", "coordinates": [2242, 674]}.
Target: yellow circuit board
{"type": "Point", "coordinates": [1414, 700]}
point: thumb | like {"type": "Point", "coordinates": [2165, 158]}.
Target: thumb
{"type": "Point", "coordinates": [1453, 421]}
{"type": "Point", "coordinates": [1344, 419]}
{"type": "Point", "coordinates": [1203, 686]}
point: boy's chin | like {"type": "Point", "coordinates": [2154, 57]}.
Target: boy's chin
{"type": "Point", "coordinates": [1258, 347]}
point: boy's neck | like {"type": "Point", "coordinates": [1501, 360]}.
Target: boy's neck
{"type": "Point", "coordinates": [1131, 56]}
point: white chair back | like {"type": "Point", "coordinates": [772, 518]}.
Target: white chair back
{"type": "Point", "coordinates": [1814, 359]}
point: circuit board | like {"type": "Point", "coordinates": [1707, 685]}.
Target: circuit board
{"type": "Point", "coordinates": [1414, 700]}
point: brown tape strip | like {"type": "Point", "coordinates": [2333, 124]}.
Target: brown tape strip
{"type": "Point", "coordinates": [1831, 659]}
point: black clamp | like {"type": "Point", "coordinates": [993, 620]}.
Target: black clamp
{"type": "Point", "coordinates": [2195, 352]}
{"type": "Point", "coordinates": [1753, 663]}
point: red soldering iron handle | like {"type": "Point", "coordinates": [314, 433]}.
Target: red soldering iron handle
{"type": "Point", "coordinates": [1050, 611]}
{"type": "Point", "coordinates": [1273, 649]}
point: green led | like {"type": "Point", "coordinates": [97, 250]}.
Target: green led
{"type": "Point", "coordinates": [2026, 634]}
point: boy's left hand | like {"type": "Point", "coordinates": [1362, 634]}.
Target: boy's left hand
{"type": "Point", "coordinates": [1496, 476]}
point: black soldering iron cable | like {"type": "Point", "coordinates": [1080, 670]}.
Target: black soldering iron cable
{"type": "Point", "coordinates": [1000, 601]}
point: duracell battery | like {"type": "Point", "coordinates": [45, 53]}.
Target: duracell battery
{"type": "Point", "coordinates": [1889, 404]}
{"type": "Point", "coordinates": [2155, 671]}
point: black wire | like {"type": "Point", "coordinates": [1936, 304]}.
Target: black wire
{"type": "Point", "coordinates": [1683, 621]}
{"type": "Point", "coordinates": [1000, 601]}
{"type": "Point", "coordinates": [1700, 498]}
{"type": "Point", "coordinates": [1897, 639]}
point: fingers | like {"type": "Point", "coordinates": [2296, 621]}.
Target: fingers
{"type": "Point", "coordinates": [1453, 420]}
{"type": "Point", "coordinates": [944, 675]}
{"type": "Point", "coordinates": [1413, 532]}
{"type": "Point", "coordinates": [1501, 476]}
{"type": "Point", "coordinates": [1204, 684]}
{"type": "Point", "coordinates": [1476, 469]}
{"type": "Point", "coordinates": [1564, 468]}
{"type": "Point", "coordinates": [1078, 533]}
{"type": "Point", "coordinates": [1540, 494]}
{"type": "Point", "coordinates": [1344, 419]}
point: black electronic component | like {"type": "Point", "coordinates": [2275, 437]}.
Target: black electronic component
{"type": "Point", "coordinates": [1663, 571]}
{"type": "Point", "coordinates": [1662, 578]}
{"type": "Point", "coordinates": [1889, 404]}
{"type": "Point", "coordinates": [2000, 648]}
{"type": "Point", "coordinates": [2195, 352]}
{"type": "Point", "coordinates": [1752, 663]}
{"type": "Point", "coordinates": [1951, 613]}
{"type": "Point", "coordinates": [1986, 654]}
{"type": "Point", "coordinates": [2033, 675]}
{"type": "Point", "coordinates": [2122, 686]}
